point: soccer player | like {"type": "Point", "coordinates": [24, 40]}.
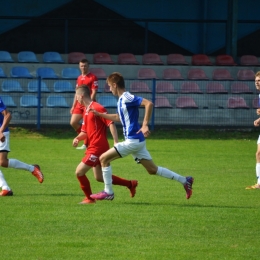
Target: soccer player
{"type": "Point", "coordinates": [5, 118]}
{"type": "Point", "coordinates": [257, 123]}
{"type": "Point", "coordinates": [94, 130]}
{"type": "Point", "coordinates": [89, 80]}
{"type": "Point", "coordinates": [134, 144]}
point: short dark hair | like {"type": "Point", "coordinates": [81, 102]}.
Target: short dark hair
{"type": "Point", "coordinates": [84, 61]}
{"type": "Point", "coordinates": [84, 90]}
{"type": "Point", "coordinates": [117, 78]}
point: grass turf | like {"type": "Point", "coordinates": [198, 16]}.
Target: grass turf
{"type": "Point", "coordinates": [45, 221]}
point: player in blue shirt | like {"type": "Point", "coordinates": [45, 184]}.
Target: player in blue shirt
{"type": "Point", "coordinates": [5, 118]}
{"type": "Point", "coordinates": [134, 144]}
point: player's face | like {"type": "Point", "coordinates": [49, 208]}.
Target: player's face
{"type": "Point", "coordinates": [112, 87]}
{"type": "Point", "coordinates": [83, 68]}
{"type": "Point", "coordinates": [257, 83]}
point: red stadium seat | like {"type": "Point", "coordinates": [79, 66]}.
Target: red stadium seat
{"type": "Point", "coordinates": [240, 88]}
{"type": "Point", "coordinates": [75, 57]}
{"type": "Point", "coordinates": [139, 86]}
{"type": "Point", "coordinates": [225, 60]}
{"type": "Point", "coordinates": [176, 59]}
{"type": "Point", "coordinates": [185, 102]}
{"type": "Point", "coordinates": [249, 60]}
{"type": "Point", "coordinates": [127, 58]}
{"type": "Point", "coordinates": [215, 88]}
{"type": "Point", "coordinates": [165, 87]}
{"type": "Point", "coordinates": [172, 74]}
{"type": "Point", "coordinates": [102, 58]}
{"type": "Point", "coordinates": [152, 59]}
{"type": "Point", "coordinates": [246, 74]}
{"type": "Point", "coordinates": [146, 73]}
{"type": "Point", "coordinates": [190, 87]}
{"type": "Point", "coordinates": [197, 74]}
{"type": "Point", "coordinates": [162, 102]}
{"type": "Point", "coordinates": [237, 102]}
{"type": "Point", "coordinates": [99, 72]}
{"type": "Point", "coordinates": [200, 60]}
{"type": "Point", "coordinates": [221, 74]}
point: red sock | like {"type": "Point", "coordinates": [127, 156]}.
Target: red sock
{"type": "Point", "coordinates": [120, 181]}
{"type": "Point", "coordinates": [85, 185]}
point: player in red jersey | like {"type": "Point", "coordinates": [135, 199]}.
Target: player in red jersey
{"type": "Point", "coordinates": [89, 80]}
{"type": "Point", "coordinates": [94, 130]}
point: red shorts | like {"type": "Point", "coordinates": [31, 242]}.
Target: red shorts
{"type": "Point", "coordinates": [91, 160]}
{"type": "Point", "coordinates": [79, 109]}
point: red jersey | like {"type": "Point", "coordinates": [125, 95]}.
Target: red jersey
{"type": "Point", "coordinates": [90, 80]}
{"type": "Point", "coordinates": [96, 129]}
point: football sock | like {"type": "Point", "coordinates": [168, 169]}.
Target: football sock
{"type": "Point", "coordinates": [107, 176]}
{"type": "Point", "coordinates": [170, 175]}
{"type": "Point", "coordinates": [3, 183]}
{"type": "Point", "coordinates": [258, 173]}
{"type": "Point", "coordinates": [120, 181]}
{"type": "Point", "coordinates": [85, 185]}
{"type": "Point", "coordinates": [13, 163]}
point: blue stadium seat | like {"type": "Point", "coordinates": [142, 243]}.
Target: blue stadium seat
{"type": "Point", "coordinates": [56, 101]}
{"type": "Point", "coordinates": [8, 101]}
{"type": "Point", "coordinates": [20, 72]}
{"type": "Point", "coordinates": [107, 101]}
{"type": "Point", "coordinates": [11, 86]}
{"type": "Point", "coordinates": [27, 56]}
{"type": "Point", "coordinates": [29, 101]}
{"type": "Point", "coordinates": [52, 57]}
{"type": "Point", "coordinates": [46, 73]}
{"type": "Point", "coordinates": [70, 73]}
{"type": "Point", "coordinates": [63, 86]}
{"type": "Point", "coordinates": [2, 74]}
{"type": "Point", "coordinates": [5, 56]}
{"type": "Point", "coordinates": [33, 86]}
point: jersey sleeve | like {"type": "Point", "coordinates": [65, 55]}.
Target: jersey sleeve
{"type": "Point", "coordinates": [94, 84]}
{"type": "Point", "coordinates": [2, 105]}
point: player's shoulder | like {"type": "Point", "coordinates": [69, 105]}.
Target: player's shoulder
{"type": "Point", "coordinates": [97, 106]}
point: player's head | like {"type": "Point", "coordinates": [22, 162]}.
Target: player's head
{"type": "Point", "coordinates": [83, 66]}
{"type": "Point", "coordinates": [82, 91]}
{"type": "Point", "coordinates": [116, 81]}
{"type": "Point", "coordinates": [257, 80]}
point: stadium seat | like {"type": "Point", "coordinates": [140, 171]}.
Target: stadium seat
{"type": "Point", "coordinates": [146, 73]}
{"type": "Point", "coordinates": [249, 60]}
{"type": "Point", "coordinates": [75, 57]}
{"type": "Point", "coordinates": [102, 58]}
{"type": "Point", "coordinates": [162, 102]}
{"type": "Point", "coordinates": [139, 86]}
{"type": "Point", "coordinates": [70, 73]}
{"type": "Point", "coordinates": [151, 59]}
{"type": "Point", "coordinates": [165, 87]}
{"type": "Point", "coordinates": [52, 57]}
{"type": "Point", "coordinates": [221, 74]}
{"type": "Point", "coordinates": [172, 74]}
{"type": "Point", "coordinates": [33, 86]}
{"type": "Point", "coordinates": [240, 88]}
{"type": "Point", "coordinates": [106, 88]}
{"type": "Point", "coordinates": [197, 74]}
{"type": "Point", "coordinates": [10, 85]}
{"type": "Point", "coordinates": [5, 56]}
{"type": "Point", "coordinates": [46, 73]}
{"type": "Point", "coordinates": [200, 60]}
{"type": "Point", "coordinates": [8, 101]}
{"type": "Point", "coordinates": [237, 102]}
{"type": "Point", "coordinates": [127, 58]}
{"type": "Point", "coordinates": [98, 72]}
{"type": "Point", "coordinates": [225, 60]}
{"type": "Point", "coordinates": [20, 72]}
{"type": "Point", "coordinates": [63, 86]}
{"type": "Point", "coordinates": [256, 103]}
{"type": "Point", "coordinates": [2, 74]}
{"type": "Point", "coordinates": [215, 88]}
{"type": "Point", "coordinates": [245, 74]}
{"type": "Point", "coordinates": [27, 56]}
{"type": "Point", "coordinates": [190, 87]}
{"type": "Point", "coordinates": [107, 101]}
{"type": "Point", "coordinates": [176, 59]}
{"type": "Point", "coordinates": [29, 101]}
{"type": "Point", "coordinates": [56, 101]}
{"type": "Point", "coordinates": [185, 102]}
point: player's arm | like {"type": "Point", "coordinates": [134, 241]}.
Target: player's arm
{"type": "Point", "coordinates": [148, 105]}
{"type": "Point", "coordinates": [257, 122]}
{"type": "Point", "coordinates": [112, 117]}
{"type": "Point", "coordinates": [74, 104]}
{"type": "Point", "coordinates": [81, 136]}
{"type": "Point", "coordinates": [7, 118]}
{"type": "Point", "coordinates": [93, 94]}
{"type": "Point", "coordinates": [113, 131]}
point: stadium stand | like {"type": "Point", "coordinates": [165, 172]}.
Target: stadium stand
{"type": "Point", "coordinates": [99, 72]}
{"type": "Point", "coordinates": [225, 60]}
{"type": "Point", "coordinates": [107, 101]}
{"type": "Point", "coordinates": [240, 88]}
{"type": "Point", "coordinates": [5, 56]}
{"type": "Point", "coordinates": [176, 59]}
{"type": "Point", "coordinates": [255, 103]}
{"type": "Point", "coordinates": [102, 58]}
{"type": "Point", "coordinates": [146, 73]}
{"type": "Point", "coordinates": [245, 74]}
{"type": "Point", "coordinates": [215, 88]}
{"type": "Point", "coordinates": [237, 102]}
{"type": "Point", "coordinates": [75, 57]}
{"type": "Point", "coordinates": [8, 101]}
{"type": "Point", "coordinates": [70, 73]}
{"type": "Point", "coordinates": [10, 85]}
{"type": "Point", "coordinates": [63, 86]}
{"type": "Point", "coordinates": [151, 59]}
{"type": "Point", "coordinates": [29, 101]}
{"type": "Point", "coordinates": [165, 87]}
{"type": "Point", "coordinates": [20, 72]}
{"type": "Point", "coordinates": [46, 73]}
{"type": "Point", "coordinates": [33, 86]}
{"type": "Point", "coordinates": [190, 87]}
{"type": "Point", "coordinates": [197, 74]}
{"type": "Point", "coordinates": [27, 56]}
{"type": "Point", "coordinates": [2, 74]}
{"type": "Point", "coordinates": [249, 60]}
{"type": "Point", "coordinates": [162, 102]}
{"type": "Point", "coordinates": [127, 58]}
{"type": "Point", "coordinates": [52, 57]}
{"type": "Point", "coordinates": [172, 73]}
{"type": "Point", "coordinates": [221, 74]}
{"type": "Point", "coordinates": [185, 102]}
{"type": "Point", "coordinates": [139, 86]}
{"type": "Point", "coordinates": [56, 101]}
{"type": "Point", "coordinates": [200, 60]}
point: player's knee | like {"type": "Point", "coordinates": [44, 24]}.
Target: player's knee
{"type": "Point", "coordinates": [152, 170]}
{"type": "Point", "coordinates": [4, 163]}
{"type": "Point", "coordinates": [99, 179]}
{"type": "Point", "coordinates": [258, 155]}
{"type": "Point", "coordinates": [103, 160]}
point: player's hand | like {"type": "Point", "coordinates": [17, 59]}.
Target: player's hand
{"type": "Point", "coordinates": [257, 122]}
{"type": "Point", "coordinates": [145, 130]}
{"type": "Point", "coordinates": [258, 111]}
{"type": "Point", "coordinates": [75, 142]}
{"type": "Point", "coordinates": [93, 111]}
{"type": "Point", "coordinates": [2, 137]}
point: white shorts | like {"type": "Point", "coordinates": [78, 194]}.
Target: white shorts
{"type": "Point", "coordinates": [5, 146]}
{"type": "Point", "coordinates": [258, 140]}
{"type": "Point", "coordinates": [134, 147]}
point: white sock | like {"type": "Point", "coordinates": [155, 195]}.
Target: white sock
{"type": "Point", "coordinates": [107, 176]}
{"type": "Point", "coordinates": [258, 173]}
{"type": "Point", "coordinates": [3, 183]}
{"type": "Point", "coordinates": [13, 163]}
{"type": "Point", "coordinates": [171, 175]}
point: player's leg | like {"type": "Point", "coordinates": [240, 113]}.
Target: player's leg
{"type": "Point", "coordinates": [257, 185]}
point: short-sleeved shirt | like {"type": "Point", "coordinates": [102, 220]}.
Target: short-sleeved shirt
{"type": "Point", "coordinates": [2, 108]}
{"type": "Point", "coordinates": [128, 110]}
{"type": "Point", "coordinates": [92, 82]}
{"type": "Point", "coordinates": [96, 129]}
